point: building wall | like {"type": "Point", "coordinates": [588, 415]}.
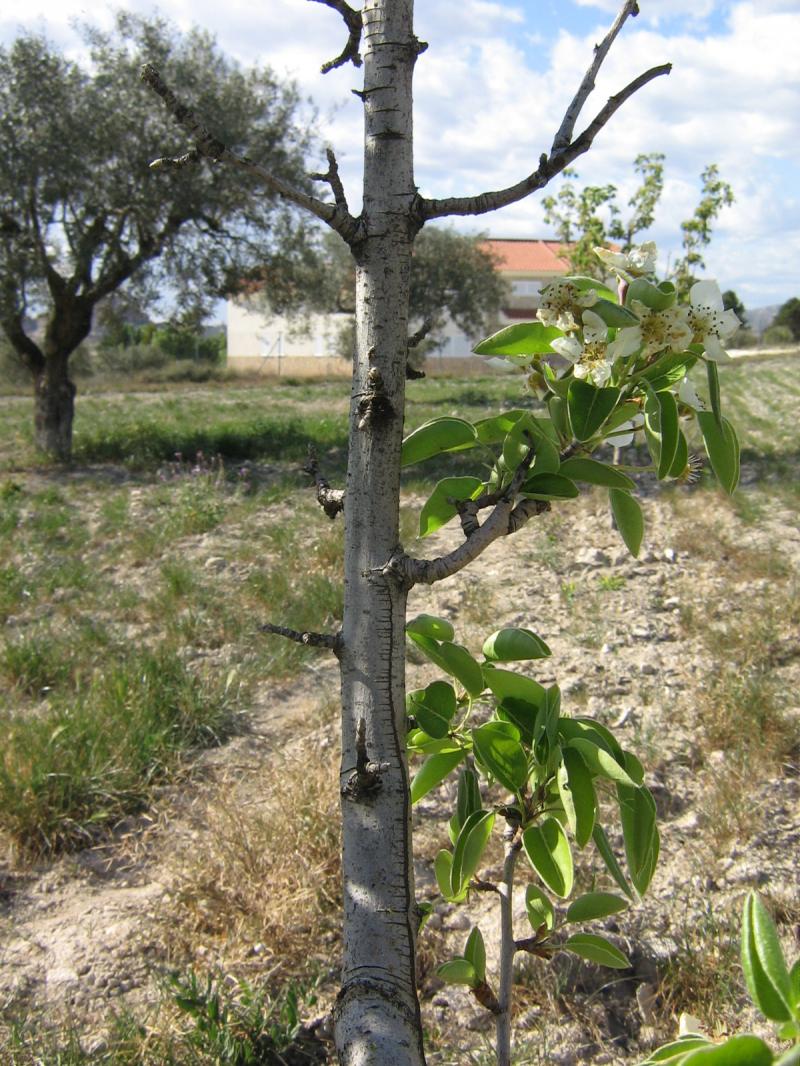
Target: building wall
{"type": "Point", "coordinates": [309, 347]}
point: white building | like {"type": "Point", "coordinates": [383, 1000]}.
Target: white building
{"type": "Point", "coordinates": [275, 345]}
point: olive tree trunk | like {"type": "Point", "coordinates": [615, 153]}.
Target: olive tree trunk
{"type": "Point", "coordinates": [54, 409]}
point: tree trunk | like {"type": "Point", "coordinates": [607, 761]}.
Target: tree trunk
{"type": "Point", "coordinates": [54, 408]}
{"type": "Point", "coordinates": [377, 1012]}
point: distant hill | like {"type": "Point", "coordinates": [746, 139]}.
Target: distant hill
{"type": "Point", "coordinates": [760, 318]}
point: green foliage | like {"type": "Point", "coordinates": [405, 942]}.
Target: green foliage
{"type": "Point", "coordinates": [95, 753]}
{"type": "Point", "coordinates": [789, 316]}
{"type": "Point", "coordinates": [551, 770]}
{"type": "Point", "coordinates": [588, 217]}
{"type": "Point", "coordinates": [774, 989]}
{"type": "Point", "coordinates": [239, 1025]}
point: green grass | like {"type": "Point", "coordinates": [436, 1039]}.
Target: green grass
{"type": "Point", "coordinates": [94, 754]}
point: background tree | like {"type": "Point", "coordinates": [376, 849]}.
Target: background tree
{"type": "Point", "coordinates": [453, 278]}
{"type": "Point", "coordinates": [377, 1012]}
{"type": "Point", "coordinates": [80, 215]}
{"type": "Point", "coordinates": [585, 218]}
{"type": "Point", "coordinates": [788, 316]}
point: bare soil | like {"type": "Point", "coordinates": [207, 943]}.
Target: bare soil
{"type": "Point", "coordinates": [89, 934]}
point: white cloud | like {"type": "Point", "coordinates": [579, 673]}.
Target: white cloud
{"type": "Point", "coordinates": [490, 94]}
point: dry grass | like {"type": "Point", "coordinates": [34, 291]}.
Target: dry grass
{"type": "Point", "coordinates": [264, 876]}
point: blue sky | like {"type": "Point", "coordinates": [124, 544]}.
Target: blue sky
{"type": "Point", "coordinates": [491, 89]}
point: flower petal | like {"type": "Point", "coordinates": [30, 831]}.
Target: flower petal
{"type": "Point", "coordinates": [706, 294]}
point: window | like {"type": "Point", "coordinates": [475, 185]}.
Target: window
{"type": "Point", "coordinates": [526, 288]}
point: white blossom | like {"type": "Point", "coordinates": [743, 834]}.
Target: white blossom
{"type": "Point", "coordinates": [709, 321]}
{"type": "Point", "coordinates": [640, 260]}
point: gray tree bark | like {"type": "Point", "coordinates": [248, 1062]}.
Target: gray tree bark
{"type": "Point", "coordinates": [377, 1013]}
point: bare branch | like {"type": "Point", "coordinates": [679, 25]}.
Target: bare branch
{"type": "Point", "coordinates": [331, 176]}
{"type": "Point", "coordinates": [352, 19]}
{"type": "Point", "coordinates": [311, 640]}
{"type": "Point", "coordinates": [564, 149]}
{"type": "Point", "coordinates": [567, 128]}
{"type": "Point", "coordinates": [417, 338]}
{"type": "Point", "coordinates": [206, 145]}
{"type": "Point", "coordinates": [330, 500]}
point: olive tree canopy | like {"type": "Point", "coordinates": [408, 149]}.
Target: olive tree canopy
{"type": "Point", "coordinates": [82, 214]}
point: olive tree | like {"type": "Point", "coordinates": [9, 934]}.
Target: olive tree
{"type": "Point", "coordinates": [79, 214]}
{"type": "Point", "coordinates": [377, 1016]}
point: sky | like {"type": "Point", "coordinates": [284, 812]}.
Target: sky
{"type": "Point", "coordinates": [493, 85]}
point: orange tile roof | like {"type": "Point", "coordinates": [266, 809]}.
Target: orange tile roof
{"type": "Point", "coordinates": [541, 257]}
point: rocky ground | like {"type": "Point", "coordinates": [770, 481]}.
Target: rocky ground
{"type": "Point", "coordinates": [642, 644]}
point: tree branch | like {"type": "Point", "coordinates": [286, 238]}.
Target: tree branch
{"type": "Point", "coordinates": [506, 518]}
{"type": "Point", "coordinates": [352, 19]}
{"type": "Point", "coordinates": [311, 640]}
{"type": "Point", "coordinates": [564, 149]}
{"type": "Point", "coordinates": [206, 145]}
{"type": "Point", "coordinates": [330, 500]}
{"type": "Point", "coordinates": [331, 176]}
{"type": "Point", "coordinates": [567, 127]}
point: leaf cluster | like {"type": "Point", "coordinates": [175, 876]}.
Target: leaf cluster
{"type": "Point", "coordinates": [553, 769]}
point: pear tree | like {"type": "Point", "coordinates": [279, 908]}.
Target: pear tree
{"type": "Point", "coordinates": [601, 364]}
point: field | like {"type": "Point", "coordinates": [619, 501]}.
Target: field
{"type": "Point", "coordinates": [168, 802]}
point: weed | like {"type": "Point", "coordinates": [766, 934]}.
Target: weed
{"type": "Point", "coordinates": [703, 977]}
{"type": "Point", "coordinates": [611, 583]}
{"type": "Point", "coordinates": [95, 756]}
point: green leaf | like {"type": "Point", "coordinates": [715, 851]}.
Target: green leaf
{"type": "Point", "coordinates": [722, 448]}
{"type": "Point", "coordinates": [584, 802]}
{"type": "Point", "coordinates": [599, 761]}
{"type": "Point", "coordinates": [589, 729]}
{"type": "Point", "coordinates": [790, 1058]}
{"type": "Point", "coordinates": [433, 707]}
{"type": "Point", "coordinates": [523, 338]}
{"type": "Point", "coordinates": [433, 771]}
{"type": "Point", "coordinates": [676, 1049]}
{"type": "Point", "coordinates": [519, 714]}
{"type": "Point", "coordinates": [505, 684]}
{"type": "Point", "coordinates": [440, 506]}
{"type": "Point", "coordinates": [667, 370]}
{"type": "Point", "coordinates": [681, 460]}
{"type": "Point", "coordinates": [443, 868]}
{"type": "Point", "coordinates": [637, 810]}
{"type": "Point", "coordinates": [494, 430]}
{"type": "Point", "coordinates": [458, 972]}
{"type": "Point", "coordinates": [712, 373]}
{"type": "Point", "coordinates": [549, 853]}
{"type": "Point", "coordinates": [428, 625]}
{"type": "Point", "coordinates": [628, 516]}
{"type": "Point", "coordinates": [511, 645]}
{"type": "Point", "coordinates": [519, 441]}
{"type": "Point", "coordinates": [469, 848]}
{"type": "Point", "coordinates": [614, 315]}
{"type": "Point", "coordinates": [609, 858]}
{"type": "Point", "coordinates": [419, 742]}
{"type": "Point", "coordinates": [475, 952]}
{"type": "Point", "coordinates": [545, 732]}
{"type": "Point", "coordinates": [763, 963]}
{"type": "Point", "coordinates": [589, 407]}
{"type": "Point", "coordinates": [559, 415]}
{"type": "Point", "coordinates": [595, 473]}
{"type": "Point", "coordinates": [661, 429]}
{"type": "Point", "coordinates": [454, 660]}
{"type": "Point", "coordinates": [539, 908]}
{"type": "Point", "coordinates": [469, 797]}
{"type": "Point", "coordinates": [656, 297]}
{"type": "Point", "coordinates": [794, 985]}
{"type": "Point", "coordinates": [597, 949]}
{"type": "Point", "coordinates": [549, 487]}
{"type": "Point", "coordinates": [738, 1051]}
{"type": "Point", "coordinates": [496, 746]}
{"type": "Point", "coordinates": [439, 435]}
{"type": "Point", "coordinates": [583, 284]}
{"type": "Point", "coordinates": [595, 905]}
